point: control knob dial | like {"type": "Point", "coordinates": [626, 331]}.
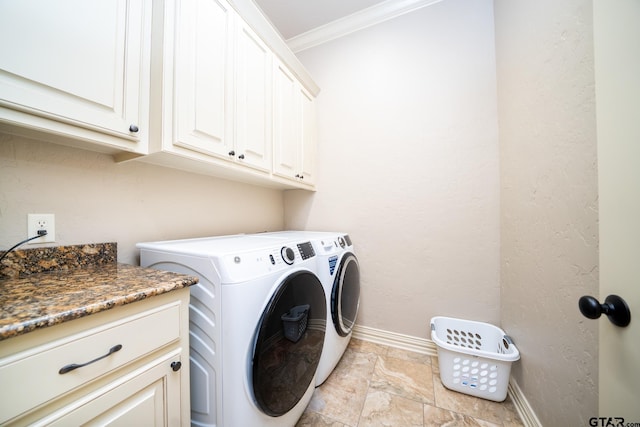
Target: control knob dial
{"type": "Point", "coordinates": [342, 242]}
{"type": "Point", "coordinates": [288, 256]}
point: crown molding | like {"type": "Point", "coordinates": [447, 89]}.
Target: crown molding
{"type": "Point", "coordinates": [357, 21]}
{"type": "Point", "coordinates": [253, 16]}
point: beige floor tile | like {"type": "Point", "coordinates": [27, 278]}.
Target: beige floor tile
{"type": "Point", "coordinates": [495, 412]}
{"type": "Point", "coordinates": [435, 365]}
{"type": "Point", "coordinates": [409, 355]}
{"type": "Point", "coordinates": [512, 419]}
{"type": "Point", "coordinates": [434, 416]}
{"type": "Point", "coordinates": [342, 395]}
{"type": "Point", "coordinates": [312, 419]}
{"type": "Point", "coordinates": [386, 409]}
{"type": "Point", "coordinates": [367, 347]}
{"type": "Point", "coordinates": [403, 378]}
{"type": "Point", "coordinates": [376, 385]}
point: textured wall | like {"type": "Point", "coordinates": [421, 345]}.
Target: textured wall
{"type": "Point", "coordinates": [549, 201]}
{"type": "Point", "coordinates": [96, 200]}
{"type": "Point", "coordinates": [408, 163]}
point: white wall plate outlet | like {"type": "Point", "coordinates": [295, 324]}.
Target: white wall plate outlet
{"type": "Point", "coordinates": [37, 222]}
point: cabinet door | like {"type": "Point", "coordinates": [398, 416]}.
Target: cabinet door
{"type": "Point", "coordinates": [76, 62]}
{"type": "Point", "coordinates": [203, 76]}
{"type": "Point", "coordinates": [285, 123]}
{"type": "Point", "coordinates": [309, 131]}
{"type": "Point", "coordinates": [147, 397]}
{"type": "Point", "coordinates": [253, 100]}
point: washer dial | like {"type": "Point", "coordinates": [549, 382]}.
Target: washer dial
{"type": "Point", "coordinates": [288, 256]}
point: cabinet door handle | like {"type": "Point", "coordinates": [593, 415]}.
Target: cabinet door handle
{"type": "Point", "coordinates": [133, 128]}
{"type": "Point", "coordinates": [71, 367]}
{"type": "Point", "coordinates": [232, 153]}
{"type": "Point", "coordinates": [241, 156]}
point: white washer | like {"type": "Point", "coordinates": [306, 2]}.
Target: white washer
{"type": "Point", "coordinates": [339, 271]}
{"type": "Point", "coordinates": [249, 367]}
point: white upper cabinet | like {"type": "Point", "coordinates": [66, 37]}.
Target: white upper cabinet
{"type": "Point", "coordinates": [285, 123]}
{"type": "Point", "coordinates": [203, 76]}
{"type": "Point", "coordinates": [308, 135]}
{"type": "Point", "coordinates": [294, 128]}
{"type": "Point", "coordinates": [253, 114]}
{"type": "Point", "coordinates": [188, 84]}
{"type": "Point", "coordinates": [76, 69]}
{"type": "Point", "coordinates": [217, 106]}
{"type": "Point", "coordinates": [215, 93]}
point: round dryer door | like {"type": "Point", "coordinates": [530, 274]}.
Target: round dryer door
{"type": "Point", "coordinates": [289, 343]}
{"type": "Point", "coordinates": [345, 295]}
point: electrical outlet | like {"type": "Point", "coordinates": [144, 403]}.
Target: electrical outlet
{"type": "Point", "coordinates": [36, 222]}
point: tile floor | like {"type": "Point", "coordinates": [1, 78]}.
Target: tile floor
{"type": "Point", "coordinates": [375, 385]}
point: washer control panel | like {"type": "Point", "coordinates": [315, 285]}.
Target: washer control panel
{"type": "Point", "coordinates": [306, 250]}
{"type": "Point", "coordinates": [247, 265]}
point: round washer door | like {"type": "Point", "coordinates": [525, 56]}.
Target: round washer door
{"type": "Point", "coordinates": [345, 295]}
{"type": "Point", "coordinates": [289, 343]}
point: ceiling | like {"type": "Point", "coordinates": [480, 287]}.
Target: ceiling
{"type": "Point", "coordinates": [294, 17]}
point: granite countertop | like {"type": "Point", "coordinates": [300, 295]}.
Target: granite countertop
{"type": "Point", "coordinates": [66, 283]}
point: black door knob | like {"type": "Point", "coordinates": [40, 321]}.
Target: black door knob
{"type": "Point", "coordinates": [176, 366]}
{"type": "Point", "coordinates": [614, 307]}
{"type": "Point", "coordinates": [232, 153]}
{"type": "Point", "coordinates": [133, 128]}
{"type": "Point", "coordinates": [241, 156]}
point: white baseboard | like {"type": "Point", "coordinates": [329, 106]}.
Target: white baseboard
{"type": "Point", "coordinates": [528, 417]}
{"type": "Point", "coordinates": [393, 339]}
{"type": "Point", "coordinates": [426, 346]}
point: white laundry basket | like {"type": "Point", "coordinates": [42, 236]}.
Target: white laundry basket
{"type": "Point", "coordinates": [475, 358]}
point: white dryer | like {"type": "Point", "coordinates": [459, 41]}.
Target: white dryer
{"type": "Point", "coordinates": [339, 271]}
{"type": "Point", "coordinates": [257, 323]}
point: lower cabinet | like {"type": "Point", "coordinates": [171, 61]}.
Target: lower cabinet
{"type": "Point", "coordinates": [149, 396]}
{"type": "Point", "coordinates": [125, 366]}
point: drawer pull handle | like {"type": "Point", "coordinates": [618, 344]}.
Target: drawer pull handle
{"type": "Point", "coordinates": [71, 367]}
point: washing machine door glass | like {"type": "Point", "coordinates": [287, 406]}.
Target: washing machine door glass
{"type": "Point", "coordinates": [288, 343]}
{"type": "Point", "coordinates": [345, 295]}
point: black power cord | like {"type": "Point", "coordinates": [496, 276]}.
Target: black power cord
{"type": "Point", "coordinates": [40, 234]}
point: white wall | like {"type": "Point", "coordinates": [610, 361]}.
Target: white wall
{"type": "Point", "coordinates": [549, 214]}
{"type": "Point", "coordinates": [96, 200]}
{"type": "Point", "coordinates": [408, 163]}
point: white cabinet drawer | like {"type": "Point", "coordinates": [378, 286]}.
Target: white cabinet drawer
{"type": "Point", "coordinates": [34, 376]}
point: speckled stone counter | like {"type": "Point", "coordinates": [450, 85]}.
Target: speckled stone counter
{"type": "Point", "coordinates": [20, 263]}
{"type": "Point", "coordinates": [35, 300]}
